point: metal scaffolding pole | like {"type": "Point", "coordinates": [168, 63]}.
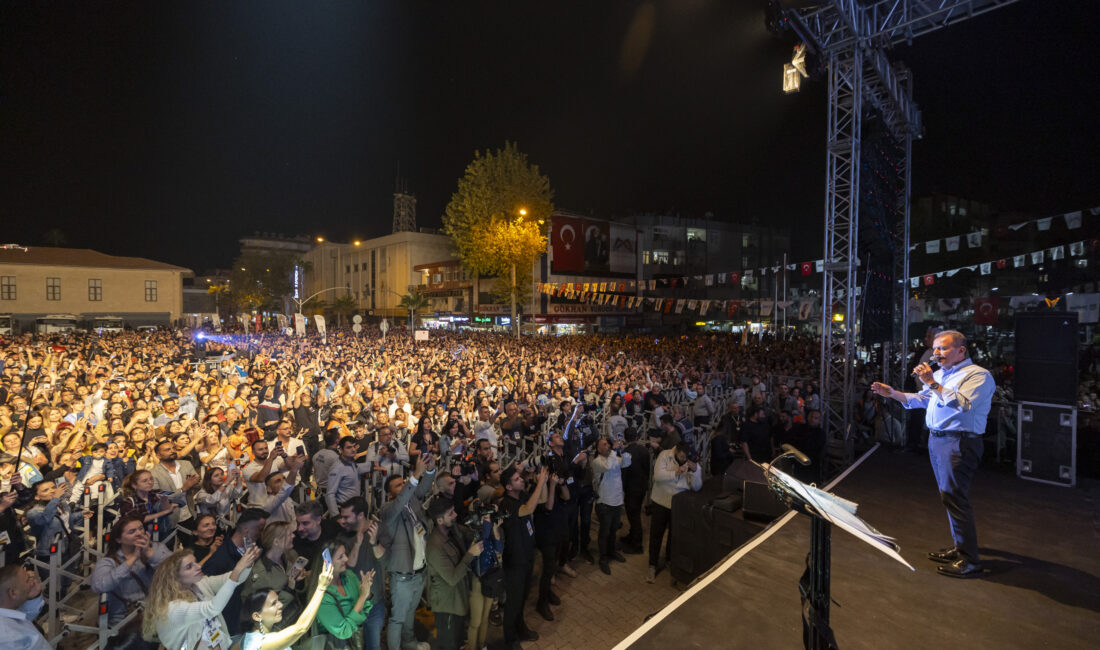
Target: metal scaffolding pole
{"type": "Point", "coordinates": [838, 311]}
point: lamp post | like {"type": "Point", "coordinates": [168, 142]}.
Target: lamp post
{"type": "Point", "coordinates": [515, 315]}
{"type": "Point", "coordinates": [302, 302]}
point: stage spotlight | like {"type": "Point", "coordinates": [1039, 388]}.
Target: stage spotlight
{"type": "Point", "coordinates": [795, 71]}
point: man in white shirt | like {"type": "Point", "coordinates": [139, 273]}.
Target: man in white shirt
{"type": "Point", "coordinates": [483, 428]}
{"type": "Point", "coordinates": [607, 478]}
{"type": "Point", "coordinates": [256, 472]}
{"type": "Point", "coordinates": [20, 601]}
{"type": "Point", "coordinates": [673, 472]}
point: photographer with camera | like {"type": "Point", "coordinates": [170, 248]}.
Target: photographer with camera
{"type": "Point", "coordinates": [450, 555]}
{"type": "Point", "coordinates": [676, 470]}
{"type": "Point", "coordinates": [387, 455]}
{"type": "Point", "coordinates": [608, 481]}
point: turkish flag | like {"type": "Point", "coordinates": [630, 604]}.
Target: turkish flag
{"type": "Point", "coordinates": [929, 280]}
{"type": "Point", "coordinates": [567, 241]}
{"type": "Point", "coordinates": [735, 277]}
{"type": "Point", "coordinates": [1002, 264]}
{"type": "Point", "coordinates": [807, 268]}
{"type": "Point", "coordinates": [985, 310]}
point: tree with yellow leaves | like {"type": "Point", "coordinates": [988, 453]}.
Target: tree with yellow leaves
{"type": "Point", "coordinates": [497, 217]}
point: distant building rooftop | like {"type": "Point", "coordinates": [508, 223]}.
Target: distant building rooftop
{"type": "Point", "coordinates": [48, 256]}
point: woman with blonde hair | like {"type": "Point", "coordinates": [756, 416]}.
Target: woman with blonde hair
{"type": "Point", "coordinates": [184, 608]}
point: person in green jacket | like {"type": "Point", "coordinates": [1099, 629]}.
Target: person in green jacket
{"type": "Point", "coordinates": [346, 602]}
{"type": "Point", "coordinates": [449, 555]}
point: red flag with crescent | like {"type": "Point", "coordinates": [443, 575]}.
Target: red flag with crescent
{"type": "Point", "coordinates": [807, 268]}
{"type": "Point", "coordinates": [985, 310]}
{"type": "Point", "coordinates": [567, 241]}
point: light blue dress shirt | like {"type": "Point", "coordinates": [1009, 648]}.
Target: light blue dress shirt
{"type": "Point", "coordinates": [962, 404]}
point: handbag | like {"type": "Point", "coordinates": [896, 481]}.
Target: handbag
{"type": "Point", "coordinates": [492, 583]}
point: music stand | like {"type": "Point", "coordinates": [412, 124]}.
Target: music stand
{"type": "Point", "coordinates": [824, 510]}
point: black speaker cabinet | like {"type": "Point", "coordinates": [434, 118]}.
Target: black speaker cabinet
{"type": "Point", "coordinates": [1047, 443]}
{"type": "Point", "coordinates": [1046, 357]}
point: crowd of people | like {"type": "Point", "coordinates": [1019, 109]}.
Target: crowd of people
{"type": "Point", "coordinates": [275, 492]}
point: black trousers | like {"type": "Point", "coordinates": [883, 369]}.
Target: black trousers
{"type": "Point", "coordinates": [609, 523]}
{"type": "Point", "coordinates": [660, 519]}
{"type": "Point", "coordinates": [451, 630]}
{"type": "Point", "coordinates": [549, 568]}
{"type": "Point", "coordinates": [632, 503]}
{"type": "Point", "coordinates": [517, 583]}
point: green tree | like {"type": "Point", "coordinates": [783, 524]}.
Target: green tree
{"type": "Point", "coordinates": [341, 307]}
{"type": "Point", "coordinates": [260, 280]}
{"type": "Point", "coordinates": [497, 217]}
{"type": "Point", "coordinates": [413, 302]}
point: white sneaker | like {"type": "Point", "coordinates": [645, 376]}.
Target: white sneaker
{"type": "Point", "coordinates": [568, 570]}
{"type": "Point", "coordinates": [651, 576]}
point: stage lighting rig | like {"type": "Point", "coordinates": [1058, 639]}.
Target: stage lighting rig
{"type": "Point", "coordinates": [795, 71]}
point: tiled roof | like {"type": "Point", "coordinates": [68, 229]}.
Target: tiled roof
{"type": "Point", "coordinates": [48, 256]}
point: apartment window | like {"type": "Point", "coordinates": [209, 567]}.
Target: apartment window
{"type": "Point", "coordinates": [53, 288]}
{"type": "Point", "coordinates": [150, 291]}
{"type": "Point", "coordinates": [95, 289]}
{"type": "Point", "coordinates": [7, 287]}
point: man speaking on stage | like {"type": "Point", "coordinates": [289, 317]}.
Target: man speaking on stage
{"type": "Point", "coordinates": [957, 398]}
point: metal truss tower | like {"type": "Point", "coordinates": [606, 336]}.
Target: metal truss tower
{"type": "Point", "coordinates": [850, 37]}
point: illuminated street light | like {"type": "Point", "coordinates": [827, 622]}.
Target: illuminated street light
{"type": "Point", "coordinates": [320, 240]}
{"type": "Point", "coordinates": [523, 212]}
{"type": "Point", "coordinates": [357, 242]}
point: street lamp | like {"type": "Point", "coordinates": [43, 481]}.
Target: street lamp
{"type": "Point", "coordinates": [515, 321]}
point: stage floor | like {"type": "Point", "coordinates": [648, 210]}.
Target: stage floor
{"type": "Point", "coordinates": [1040, 546]}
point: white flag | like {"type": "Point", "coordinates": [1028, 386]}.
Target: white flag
{"type": "Point", "coordinates": [820, 265]}
{"type": "Point", "coordinates": [320, 320]}
{"type": "Point", "coordinates": [1037, 257]}
{"type": "Point", "coordinates": [932, 247]}
{"type": "Point", "coordinates": [1017, 226]}
{"type": "Point", "coordinates": [679, 306]}
{"type": "Point", "coordinates": [1077, 248]}
{"type": "Point", "coordinates": [692, 304]}
{"type": "Point", "coordinates": [952, 243]}
{"type": "Point", "coordinates": [987, 268]}
{"type": "Point", "coordinates": [1073, 220]}
{"type": "Point", "coordinates": [1058, 252]}
{"type": "Point", "coordinates": [1019, 260]}
{"type": "Point", "coordinates": [974, 239]}
{"type": "Point", "coordinates": [705, 307]}
{"type": "Point", "coordinates": [1044, 223]}
{"type": "Point", "coordinates": [914, 282]}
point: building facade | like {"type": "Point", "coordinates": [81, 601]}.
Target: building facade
{"type": "Point", "coordinates": [36, 282]}
{"type": "Point", "coordinates": [374, 273]}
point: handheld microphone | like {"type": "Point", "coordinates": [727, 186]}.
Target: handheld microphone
{"type": "Point", "coordinates": [932, 363]}
{"type": "Point", "coordinates": [802, 458]}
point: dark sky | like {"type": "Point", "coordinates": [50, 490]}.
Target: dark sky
{"type": "Point", "coordinates": [169, 129]}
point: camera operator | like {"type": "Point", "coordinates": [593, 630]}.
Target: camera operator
{"type": "Point", "coordinates": [551, 530]}
{"type": "Point", "coordinates": [608, 480]}
{"type": "Point", "coordinates": [519, 551]}
{"type": "Point", "coordinates": [674, 472]}
{"type": "Point", "coordinates": [578, 439]}
{"type": "Point", "coordinates": [387, 455]}
{"type": "Point", "coordinates": [450, 554]}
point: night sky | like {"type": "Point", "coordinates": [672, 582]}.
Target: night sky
{"type": "Point", "coordinates": [169, 129]}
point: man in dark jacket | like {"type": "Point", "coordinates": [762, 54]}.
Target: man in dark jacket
{"type": "Point", "coordinates": [635, 484]}
{"type": "Point", "coordinates": [245, 535]}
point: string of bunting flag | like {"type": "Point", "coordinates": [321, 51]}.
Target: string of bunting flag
{"type": "Point", "coordinates": [596, 293]}
{"type": "Point", "coordinates": [1058, 252]}
{"type": "Point", "coordinates": [974, 239]}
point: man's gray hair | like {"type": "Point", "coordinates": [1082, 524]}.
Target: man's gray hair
{"type": "Point", "coordinates": [957, 337]}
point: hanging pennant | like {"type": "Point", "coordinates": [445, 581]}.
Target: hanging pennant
{"type": "Point", "coordinates": [952, 243]}
{"type": "Point", "coordinates": [1058, 252]}
{"type": "Point", "coordinates": [987, 268]}
{"type": "Point", "coordinates": [932, 247]}
{"type": "Point", "coordinates": [929, 280]}
{"type": "Point", "coordinates": [1002, 263]}
{"type": "Point", "coordinates": [807, 268]}
{"type": "Point", "coordinates": [974, 239]}
{"type": "Point", "coordinates": [680, 306]}
{"type": "Point", "coordinates": [1037, 257]}
{"type": "Point", "coordinates": [735, 278]}
{"type": "Point", "coordinates": [1044, 223]}
{"type": "Point", "coordinates": [914, 282]}
{"type": "Point", "coordinates": [819, 265]}
{"type": "Point", "coordinates": [1073, 220]}
{"type": "Point", "coordinates": [1018, 261]}
{"type": "Point", "coordinates": [1077, 248]}
{"type": "Point", "coordinates": [704, 307]}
